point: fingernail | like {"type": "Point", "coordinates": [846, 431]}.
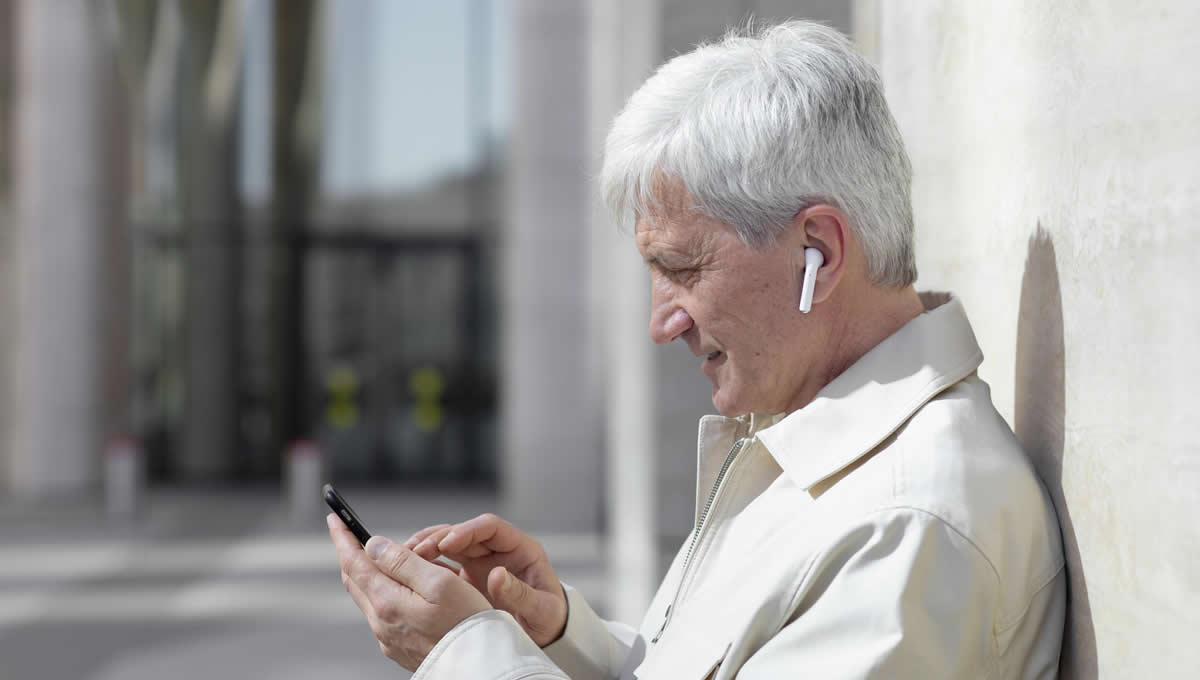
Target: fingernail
{"type": "Point", "coordinates": [376, 546]}
{"type": "Point", "coordinates": [450, 536]}
{"type": "Point", "coordinates": [422, 546]}
{"type": "Point", "coordinates": [508, 579]}
{"type": "Point", "coordinates": [329, 519]}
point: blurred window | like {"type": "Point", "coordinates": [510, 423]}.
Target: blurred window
{"type": "Point", "coordinates": [414, 91]}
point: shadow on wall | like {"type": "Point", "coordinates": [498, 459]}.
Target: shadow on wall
{"type": "Point", "coordinates": [1040, 416]}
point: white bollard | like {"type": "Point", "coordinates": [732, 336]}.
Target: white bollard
{"type": "Point", "coordinates": [124, 478]}
{"type": "Point", "coordinates": [305, 469]}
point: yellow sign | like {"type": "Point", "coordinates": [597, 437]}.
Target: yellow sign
{"type": "Point", "coordinates": [342, 384]}
{"type": "Point", "coordinates": [427, 386]}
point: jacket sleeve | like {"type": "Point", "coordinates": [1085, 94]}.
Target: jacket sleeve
{"type": "Point", "coordinates": [592, 648]}
{"type": "Point", "coordinates": [492, 646]}
{"type": "Point", "coordinates": [898, 595]}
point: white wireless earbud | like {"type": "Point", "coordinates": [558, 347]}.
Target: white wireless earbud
{"type": "Point", "coordinates": [813, 259]}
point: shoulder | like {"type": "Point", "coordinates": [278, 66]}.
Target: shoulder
{"type": "Point", "coordinates": [953, 476]}
{"type": "Point", "coordinates": [957, 460]}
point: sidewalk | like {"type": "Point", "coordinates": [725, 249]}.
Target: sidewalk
{"type": "Point", "coordinates": [210, 584]}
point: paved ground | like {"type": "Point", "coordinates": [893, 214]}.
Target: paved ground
{"type": "Point", "coordinates": [217, 584]}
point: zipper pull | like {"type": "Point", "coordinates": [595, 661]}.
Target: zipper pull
{"type": "Point", "coordinates": [666, 619]}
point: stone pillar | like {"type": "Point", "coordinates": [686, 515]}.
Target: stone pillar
{"type": "Point", "coordinates": [8, 262]}
{"type": "Point", "coordinates": [61, 205]}
{"type": "Point", "coordinates": [625, 47]}
{"type": "Point", "coordinates": [552, 457]}
{"type": "Point", "coordinates": [207, 96]}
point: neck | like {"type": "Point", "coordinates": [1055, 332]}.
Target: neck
{"type": "Point", "coordinates": [860, 323]}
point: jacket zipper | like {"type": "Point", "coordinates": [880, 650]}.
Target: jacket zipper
{"type": "Point", "coordinates": [687, 559]}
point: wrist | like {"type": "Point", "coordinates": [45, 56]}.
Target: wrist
{"type": "Point", "coordinates": [562, 629]}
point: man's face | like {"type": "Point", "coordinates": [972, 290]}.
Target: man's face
{"type": "Point", "coordinates": [733, 306]}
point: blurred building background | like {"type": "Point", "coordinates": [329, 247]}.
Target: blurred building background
{"type": "Point", "coordinates": [227, 227]}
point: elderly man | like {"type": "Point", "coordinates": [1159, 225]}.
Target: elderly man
{"type": "Point", "coordinates": [862, 509]}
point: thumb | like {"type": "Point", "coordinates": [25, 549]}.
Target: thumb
{"type": "Point", "coordinates": [512, 594]}
{"type": "Point", "coordinates": [403, 565]}
{"type": "Point", "coordinates": [538, 611]}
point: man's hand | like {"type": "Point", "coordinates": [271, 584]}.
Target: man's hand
{"type": "Point", "coordinates": [410, 603]}
{"type": "Point", "coordinates": [504, 564]}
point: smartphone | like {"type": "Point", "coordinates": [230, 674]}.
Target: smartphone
{"type": "Point", "coordinates": [339, 505]}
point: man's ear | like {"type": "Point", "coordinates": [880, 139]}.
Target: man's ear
{"type": "Point", "coordinates": [825, 228]}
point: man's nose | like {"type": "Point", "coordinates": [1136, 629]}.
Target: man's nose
{"type": "Point", "coordinates": [667, 323]}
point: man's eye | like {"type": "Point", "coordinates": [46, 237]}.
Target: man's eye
{"type": "Point", "coordinates": [682, 274]}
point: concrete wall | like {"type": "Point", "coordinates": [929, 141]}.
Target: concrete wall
{"type": "Point", "coordinates": [1056, 155]}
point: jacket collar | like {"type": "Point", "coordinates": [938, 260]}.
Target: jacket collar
{"type": "Point", "coordinates": [870, 400]}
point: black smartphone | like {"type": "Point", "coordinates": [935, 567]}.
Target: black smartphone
{"type": "Point", "coordinates": [339, 505]}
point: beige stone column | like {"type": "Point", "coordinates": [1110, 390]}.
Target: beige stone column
{"type": "Point", "coordinates": [8, 281]}
{"type": "Point", "coordinates": [552, 459]}
{"type": "Point", "coordinates": [624, 48]}
{"type": "Point", "coordinates": [62, 210]}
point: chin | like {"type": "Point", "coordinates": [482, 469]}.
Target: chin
{"type": "Point", "coordinates": [727, 405]}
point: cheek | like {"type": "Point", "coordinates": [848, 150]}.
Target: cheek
{"type": "Point", "coordinates": [775, 294]}
{"type": "Point", "coordinates": [757, 326]}
{"type": "Point", "coordinates": [742, 310]}
{"type": "Point", "coordinates": [762, 350]}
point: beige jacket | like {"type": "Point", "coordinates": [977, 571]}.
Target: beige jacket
{"type": "Point", "coordinates": [892, 528]}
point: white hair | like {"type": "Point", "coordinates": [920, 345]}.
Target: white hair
{"type": "Point", "coordinates": [761, 125]}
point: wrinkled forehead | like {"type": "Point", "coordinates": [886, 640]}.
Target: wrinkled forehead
{"type": "Point", "coordinates": [658, 231]}
{"type": "Point", "coordinates": [672, 221]}
{"type": "Point", "coordinates": [689, 233]}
